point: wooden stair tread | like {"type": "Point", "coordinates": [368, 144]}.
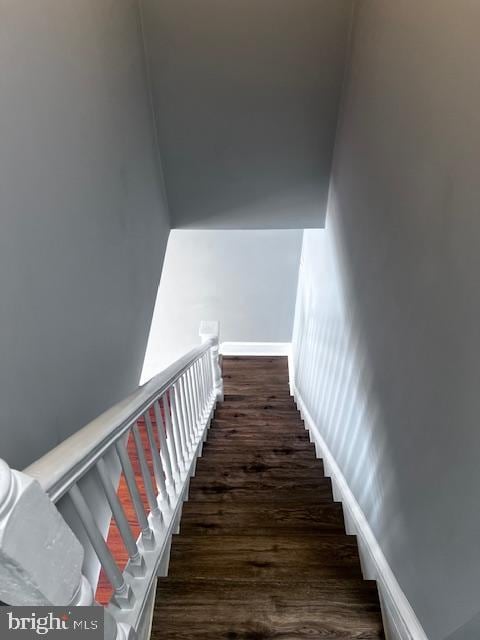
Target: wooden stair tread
{"type": "Point", "coordinates": [264, 360]}
{"type": "Point", "coordinates": [260, 407]}
{"type": "Point", "coordinates": [227, 611]}
{"type": "Point", "coordinates": [254, 452]}
{"type": "Point", "coordinates": [235, 435]}
{"type": "Point", "coordinates": [261, 431]}
{"type": "Point", "coordinates": [267, 367]}
{"type": "Point", "coordinates": [246, 400]}
{"type": "Point", "coordinates": [252, 398]}
{"type": "Point", "coordinates": [201, 589]}
{"type": "Point", "coordinates": [281, 448]}
{"type": "Point", "coordinates": [250, 557]}
{"type": "Point", "coordinates": [258, 422]}
{"type": "Point", "coordinates": [235, 461]}
{"type": "Point", "coordinates": [263, 518]}
{"type": "Point", "coordinates": [268, 609]}
{"type": "Point", "coordinates": [340, 627]}
{"type": "Point", "coordinates": [246, 415]}
{"type": "Point", "coordinates": [267, 411]}
{"type": "Point", "coordinates": [266, 490]}
{"type": "Point", "coordinates": [279, 543]}
{"type": "Point", "coordinates": [264, 428]}
{"type": "Point", "coordinates": [255, 473]}
{"type": "Point", "coordinates": [259, 427]}
{"type": "Point", "coordinates": [251, 388]}
{"type": "Point", "coordinates": [291, 507]}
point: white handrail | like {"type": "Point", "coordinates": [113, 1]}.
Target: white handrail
{"type": "Point", "coordinates": [59, 469]}
{"type": "Point", "coordinates": [45, 564]}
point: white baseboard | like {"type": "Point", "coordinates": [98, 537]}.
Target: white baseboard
{"type": "Point", "coordinates": [400, 620]}
{"type": "Point", "coordinates": [255, 348]}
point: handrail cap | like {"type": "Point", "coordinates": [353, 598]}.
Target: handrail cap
{"type": "Point", "coordinates": [59, 469]}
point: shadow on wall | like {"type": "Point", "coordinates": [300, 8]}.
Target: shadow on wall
{"type": "Point", "coordinates": [469, 631]}
{"type": "Point", "coordinates": [336, 383]}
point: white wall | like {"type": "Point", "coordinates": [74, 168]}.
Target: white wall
{"type": "Point", "coordinates": [246, 95]}
{"type": "Point", "coordinates": [400, 346]}
{"type": "Point", "coordinates": [83, 224]}
{"type": "Point", "coordinates": [245, 279]}
{"type": "Point", "coordinates": [333, 380]}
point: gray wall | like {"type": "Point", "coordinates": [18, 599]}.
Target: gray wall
{"type": "Point", "coordinates": [246, 95]}
{"type": "Point", "coordinates": [405, 227]}
{"type": "Point", "coordinates": [245, 279]}
{"type": "Point", "coordinates": [83, 224]}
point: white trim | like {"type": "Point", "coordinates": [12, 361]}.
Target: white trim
{"type": "Point", "coordinates": [291, 369]}
{"type": "Point", "coordinates": [144, 630]}
{"type": "Point", "coordinates": [255, 348]}
{"type": "Point", "coordinates": [400, 620]}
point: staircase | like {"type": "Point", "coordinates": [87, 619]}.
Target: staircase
{"type": "Point", "coordinates": [262, 550]}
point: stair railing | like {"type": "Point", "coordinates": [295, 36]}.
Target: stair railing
{"type": "Point", "coordinates": [45, 561]}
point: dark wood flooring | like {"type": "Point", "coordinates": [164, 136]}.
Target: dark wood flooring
{"type": "Point", "coordinates": [262, 551]}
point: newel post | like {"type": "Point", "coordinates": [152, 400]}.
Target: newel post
{"type": "Point", "coordinates": [40, 556]}
{"type": "Point", "coordinates": [210, 330]}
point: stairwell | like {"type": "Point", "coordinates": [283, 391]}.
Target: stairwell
{"type": "Point", "coordinates": [262, 550]}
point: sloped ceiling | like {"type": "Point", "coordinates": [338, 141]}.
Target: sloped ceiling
{"type": "Point", "coordinates": [246, 95]}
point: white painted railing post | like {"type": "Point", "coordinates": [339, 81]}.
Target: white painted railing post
{"type": "Point", "coordinates": [210, 330]}
{"type": "Point", "coordinates": [40, 557]}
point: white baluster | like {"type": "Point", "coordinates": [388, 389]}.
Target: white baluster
{"type": "Point", "coordinates": [197, 396]}
{"type": "Point", "coordinates": [188, 402]}
{"type": "Point", "coordinates": [203, 396]}
{"type": "Point", "coordinates": [203, 408]}
{"type": "Point", "coordinates": [165, 453]}
{"type": "Point", "coordinates": [191, 396]}
{"type": "Point", "coordinates": [136, 564]}
{"type": "Point", "coordinates": [177, 418]}
{"type": "Point", "coordinates": [148, 536]}
{"type": "Point", "coordinates": [157, 462]}
{"type": "Point", "coordinates": [147, 480]}
{"type": "Point", "coordinates": [210, 382]}
{"type": "Point", "coordinates": [186, 420]}
{"type": "Point", "coordinates": [123, 596]}
{"type": "Point", "coordinates": [206, 391]}
{"type": "Point", "coordinates": [209, 377]}
{"type": "Point", "coordinates": [174, 440]}
{"type": "Point", "coordinates": [210, 330]}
